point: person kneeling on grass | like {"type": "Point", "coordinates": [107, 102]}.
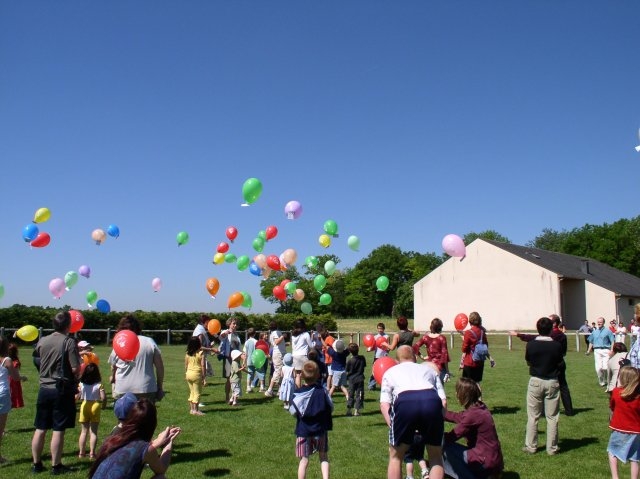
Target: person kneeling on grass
{"type": "Point", "coordinates": [482, 456]}
{"type": "Point", "coordinates": [312, 408]}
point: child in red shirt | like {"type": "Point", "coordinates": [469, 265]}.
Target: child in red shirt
{"type": "Point", "coordinates": [624, 443]}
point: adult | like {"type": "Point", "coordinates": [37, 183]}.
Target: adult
{"type": "Point", "coordinates": [201, 332]}
{"type": "Point", "coordinates": [278, 350]}
{"type": "Point", "coordinates": [634, 352]}
{"type": "Point", "coordinates": [557, 335]}
{"type": "Point", "coordinates": [475, 334]}
{"type": "Point", "coordinates": [125, 454]}
{"type": "Point", "coordinates": [412, 399]}
{"type": "Point", "coordinates": [613, 365]}
{"type": "Point", "coordinates": [482, 456]}
{"type": "Point", "coordinates": [585, 329]}
{"type": "Point", "coordinates": [300, 345]}
{"type": "Point", "coordinates": [544, 357]}
{"type": "Point", "coordinates": [600, 342]}
{"type": "Point", "coordinates": [437, 351]}
{"type": "Point", "coordinates": [56, 404]}
{"type": "Point", "coordinates": [621, 332]}
{"type": "Point", "coordinates": [404, 336]}
{"type": "Point", "coordinates": [634, 329]}
{"type": "Point", "coordinates": [144, 376]}
{"type": "Point", "coordinates": [229, 341]}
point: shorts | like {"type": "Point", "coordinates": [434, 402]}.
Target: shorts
{"type": "Point", "coordinates": [5, 403]}
{"type": "Point", "coordinates": [55, 411]}
{"type": "Point", "coordinates": [90, 411]}
{"type": "Point", "coordinates": [306, 446]}
{"type": "Point", "coordinates": [416, 450]}
{"type": "Point", "coordinates": [298, 362]}
{"type": "Point", "coordinates": [417, 411]}
{"type": "Point", "coordinates": [339, 378]}
{"type": "Point", "coordinates": [625, 447]}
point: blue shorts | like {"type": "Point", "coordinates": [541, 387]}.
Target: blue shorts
{"type": "Point", "coordinates": [54, 410]}
{"type": "Point", "coordinates": [416, 411]}
{"type": "Point", "coordinates": [339, 378]}
{"type": "Point", "coordinates": [5, 403]}
{"type": "Point", "coordinates": [625, 447]}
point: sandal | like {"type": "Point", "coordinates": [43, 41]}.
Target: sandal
{"type": "Point", "coordinates": [82, 455]}
{"type": "Point", "coordinates": [92, 457]}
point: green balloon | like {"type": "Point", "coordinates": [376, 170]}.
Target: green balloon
{"type": "Point", "coordinates": [258, 244]}
{"type": "Point", "coordinates": [319, 282]}
{"type": "Point", "coordinates": [92, 297]}
{"type": "Point", "coordinates": [331, 228]}
{"type": "Point", "coordinates": [306, 308]}
{"type": "Point", "coordinates": [243, 262]}
{"type": "Point", "coordinates": [258, 358]}
{"type": "Point", "coordinates": [354, 243]}
{"type": "Point", "coordinates": [311, 261]}
{"type": "Point", "coordinates": [290, 287]}
{"type": "Point", "coordinates": [330, 267]}
{"type": "Point", "coordinates": [325, 299]}
{"type": "Point", "coordinates": [262, 234]}
{"type": "Point", "coordinates": [382, 283]}
{"type": "Point", "coordinates": [70, 279]}
{"type": "Point", "coordinates": [182, 238]}
{"type": "Point", "coordinates": [247, 302]}
{"type": "Point", "coordinates": [251, 190]}
{"type": "Point", "coordinates": [230, 258]}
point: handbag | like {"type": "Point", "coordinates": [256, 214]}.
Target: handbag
{"type": "Point", "coordinates": [625, 361]}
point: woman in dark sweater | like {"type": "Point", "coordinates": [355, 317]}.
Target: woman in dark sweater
{"type": "Point", "coordinates": [482, 456]}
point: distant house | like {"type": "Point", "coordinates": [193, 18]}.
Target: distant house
{"type": "Point", "coordinates": [512, 286]}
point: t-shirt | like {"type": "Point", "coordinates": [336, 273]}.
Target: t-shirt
{"type": "Point", "coordinates": [137, 376]}
{"type": "Point", "coordinates": [49, 349]}
{"type": "Point", "coordinates": [282, 346]}
{"type": "Point", "coordinates": [201, 332]}
{"type": "Point", "coordinates": [124, 463]}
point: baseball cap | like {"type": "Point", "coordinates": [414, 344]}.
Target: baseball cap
{"type": "Point", "coordinates": [123, 405]}
{"type": "Point", "coordinates": [83, 344]}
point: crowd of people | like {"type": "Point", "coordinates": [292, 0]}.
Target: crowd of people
{"type": "Point", "coordinates": [412, 399]}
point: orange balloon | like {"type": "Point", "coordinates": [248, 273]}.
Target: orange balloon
{"type": "Point", "coordinates": [213, 285]}
{"type": "Point", "coordinates": [235, 300]}
{"type": "Point", "coordinates": [90, 358]}
{"type": "Point", "coordinates": [213, 326]}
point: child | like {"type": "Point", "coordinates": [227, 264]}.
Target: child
{"type": "Point", "coordinates": [312, 407]}
{"type": "Point", "coordinates": [482, 456]}
{"type": "Point", "coordinates": [624, 443]}
{"type": "Point", "coordinates": [339, 354]}
{"type": "Point", "coordinates": [323, 371]}
{"type": "Point", "coordinates": [15, 385]}
{"type": "Point", "coordinates": [121, 409]}
{"type": "Point", "coordinates": [378, 353]}
{"type": "Point", "coordinates": [249, 348]}
{"type": "Point", "coordinates": [261, 372]}
{"type": "Point", "coordinates": [6, 371]}
{"type": "Point", "coordinates": [237, 357]}
{"type": "Point", "coordinates": [93, 397]}
{"type": "Point", "coordinates": [195, 369]}
{"type": "Point", "coordinates": [416, 453]}
{"type": "Point", "coordinates": [288, 382]}
{"type": "Point", "coordinates": [356, 365]}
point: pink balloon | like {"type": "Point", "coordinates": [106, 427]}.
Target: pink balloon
{"type": "Point", "coordinates": [454, 246]}
{"type": "Point", "coordinates": [293, 210]}
{"type": "Point", "coordinates": [57, 287]}
{"type": "Point", "coordinates": [156, 284]}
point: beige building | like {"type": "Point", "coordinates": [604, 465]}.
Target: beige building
{"type": "Point", "coordinates": [512, 286]}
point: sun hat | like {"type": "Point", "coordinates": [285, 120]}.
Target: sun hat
{"type": "Point", "coordinates": [235, 354]}
{"type": "Point", "coordinates": [288, 359]}
{"type": "Point", "coordinates": [123, 405]}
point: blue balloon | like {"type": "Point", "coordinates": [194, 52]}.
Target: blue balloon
{"type": "Point", "coordinates": [30, 232]}
{"type": "Point", "coordinates": [254, 269]}
{"type": "Point", "coordinates": [103, 306]}
{"type": "Point", "coordinates": [113, 231]}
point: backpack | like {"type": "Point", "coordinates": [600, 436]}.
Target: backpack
{"type": "Point", "coordinates": [481, 351]}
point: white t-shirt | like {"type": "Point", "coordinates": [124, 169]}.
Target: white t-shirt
{"type": "Point", "coordinates": [282, 346]}
{"type": "Point", "coordinates": [300, 344]}
{"type": "Point", "coordinates": [137, 376]}
{"type": "Point", "coordinates": [202, 333]}
{"type": "Point", "coordinates": [409, 376]}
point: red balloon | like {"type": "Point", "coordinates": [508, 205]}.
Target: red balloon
{"type": "Point", "coordinates": [232, 233]}
{"type": "Point", "coordinates": [380, 367]}
{"type": "Point", "coordinates": [369, 340]}
{"type": "Point", "coordinates": [262, 345]}
{"type": "Point", "coordinates": [461, 321]}
{"type": "Point", "coordinates": [126, 345]}
{"type": "Point", "coordinates": [42, 240]}
{"type": "Point", "coordinates": [77, 321]}
{"type": "Point", "coordinates": [273, 262]}
{"type": "Point", "coordinates": [271, 232]}
{"type": "Point", "coordinates": [280, 293]}
{"type": "Point", "coordinates": [284, 282]}
{"type": "Point", "coordinates": [380, 340]}
{"type": "Point", "coordinates": [222, 247]}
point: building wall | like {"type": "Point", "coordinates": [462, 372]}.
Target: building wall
{"type": "Point", "coordinates": [507, 291]}
{"type": "Point", "coordinates": [600, 302]}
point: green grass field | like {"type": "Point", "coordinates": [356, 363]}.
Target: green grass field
{"type": "Point", "coordinates": [256, 440]}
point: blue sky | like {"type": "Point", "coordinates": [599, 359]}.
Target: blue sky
{"type": "Point", "coordinates": [401, 121]}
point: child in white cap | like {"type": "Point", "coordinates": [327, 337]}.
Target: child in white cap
{"type": "Point", "coordinates": [237, 366]}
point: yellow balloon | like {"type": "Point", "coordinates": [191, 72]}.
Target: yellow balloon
{"type": "Point", "coordinates": [42, 215]}
{"type": "Point", "coordinates": [27, 333]}
{"type": "Point", "coordinates": [218, 258]}
{"type": "Point", "coordinates": [325, 241]}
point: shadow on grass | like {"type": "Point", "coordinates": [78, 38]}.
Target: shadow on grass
{"type": "Point", "coordinates": [192, 457]}
{"type": "Point", "coordinates": [216, 472]}
{"type": "Point", "coordinates": [504, 409]}
{"type": "Point", "coordinates": [570, 443]}
{"type": "Point", "coordinates": [510, 475]}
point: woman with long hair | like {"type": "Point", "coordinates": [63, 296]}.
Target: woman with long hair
{"type": "Point", "coordinates": [437, 351]}
{"type": "Point", "coordinates": [123, 455]}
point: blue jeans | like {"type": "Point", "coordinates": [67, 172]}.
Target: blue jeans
{"type": "Point", "coordinates": [455, 462]}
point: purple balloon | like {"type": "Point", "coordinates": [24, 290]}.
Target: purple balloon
{"type": "Point", "coordinates": [85, 271]}
{"type": "Point", "coordinates": [293, 210]}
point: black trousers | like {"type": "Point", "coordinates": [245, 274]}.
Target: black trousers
{"type": "Point", "coordinates": [565, 395]}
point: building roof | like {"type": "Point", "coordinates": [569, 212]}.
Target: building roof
{"type": "Point", "coordinates": [577, 267]}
